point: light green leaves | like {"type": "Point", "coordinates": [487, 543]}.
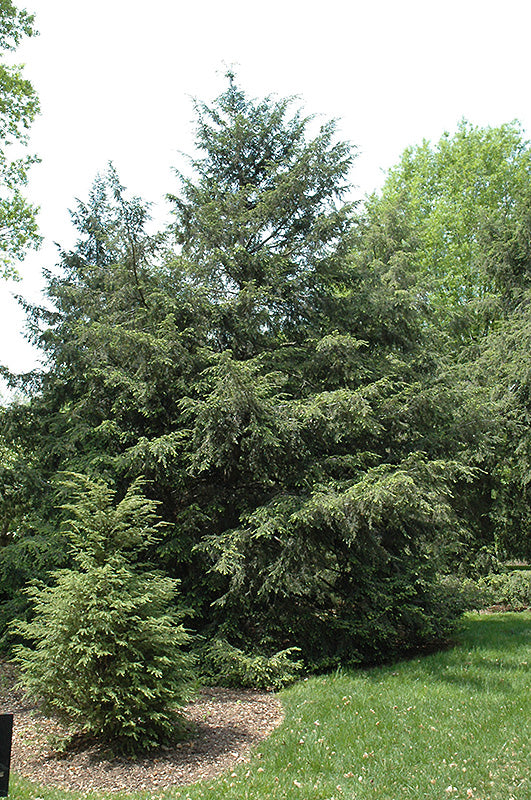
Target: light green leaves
{"type": "Point", "coordinates": [18, 107]}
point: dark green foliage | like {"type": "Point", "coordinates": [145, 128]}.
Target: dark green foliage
{"type": "Point", "coordinates": [24, 560]}
{"type": "Point", "coordinates": [317, 520]}
{"type": "Point", "coordinates": [261, 224]}
{"type": "Point", "coordinates": [107, 649]}
{"type": "Point", "coordinates": [29, 546]}
{"type": "Point", "coordinates": [498, 365]}
{"type": "Point", "coordinates": [343, 571]}
{"type": "Point", "coordinates": [271, 371]}
{"type": "Point", "coordinates": [454, 218]}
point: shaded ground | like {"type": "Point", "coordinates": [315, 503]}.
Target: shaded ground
{"type": "Point", "coordinates": [228, 723]}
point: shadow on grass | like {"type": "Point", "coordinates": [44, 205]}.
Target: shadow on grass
{"type": "Point", "coordinates": [492, 654]}
{"type": "Point", "coordinates": [489, 656]}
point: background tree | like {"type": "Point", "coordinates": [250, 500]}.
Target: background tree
{"type": "Point", "coordinates": [97, 338]}
{"type": "Point", "coordinates": [18, 108]}
{"type": "Point", "coordinates": [453, 218]}
{"type": "Point", "coordinates": [30, 546]}
{"type": "Point", "coordinates": [499, 366]}
{"type": "Point", "coordinates": [123, 341]}
{"type": "Point", "coordinates": [434, 213]}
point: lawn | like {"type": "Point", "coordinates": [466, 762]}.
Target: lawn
{"type": "Point", "coordinates": [455, 724]}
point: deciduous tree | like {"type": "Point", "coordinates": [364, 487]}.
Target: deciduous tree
{"type": "Point", "coordinates": [18, 108]}
{"type": "Point", "coordinates": [435, 212]}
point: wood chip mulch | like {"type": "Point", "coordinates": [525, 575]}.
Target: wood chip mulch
{"type": "Point", "coordinates": [228, 724]}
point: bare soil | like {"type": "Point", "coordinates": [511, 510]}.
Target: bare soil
{"type": "Point", "coordinates": [228, 724]}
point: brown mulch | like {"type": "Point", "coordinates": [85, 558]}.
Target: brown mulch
{"type": "Point", "coordinates": [228, 723]}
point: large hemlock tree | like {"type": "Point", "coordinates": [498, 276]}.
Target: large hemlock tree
{"type": "Point", "coordinates": [269, 378]}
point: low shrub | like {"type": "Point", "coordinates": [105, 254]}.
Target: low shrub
{"type": "Point", "coordinates": [464, 594]}
{"type": "Point", "coordinates": [226, 665]}
{"type": "Point", "coordinates": [511, 589]}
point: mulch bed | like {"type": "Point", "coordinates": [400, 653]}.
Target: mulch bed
{"type": "Point", "coordinates": [228, 724]}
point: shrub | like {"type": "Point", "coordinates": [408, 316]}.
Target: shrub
{"type": "Point", "coordinates": [226, 665]}
{"type": "Point", "coordinates": [464, 594]}
{"type": "Point", "coordinates": [107, 656]}
{"type": "Point", "coordinates": [512, 589]}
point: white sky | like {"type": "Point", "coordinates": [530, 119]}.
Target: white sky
{"type": "Point", "coordinates": [115, 79]}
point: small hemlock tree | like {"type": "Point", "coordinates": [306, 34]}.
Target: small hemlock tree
{"type": "Point", "coordinates": [107, 655]}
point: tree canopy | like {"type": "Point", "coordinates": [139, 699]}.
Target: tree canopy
{"type": "Point", "coordinates": [269, 381]}
{"type": "Point", "coordinates": [18, 108]}
{"type": "Point", "coordinates": [438, 208]}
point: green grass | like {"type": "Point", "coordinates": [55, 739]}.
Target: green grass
{"type": "Point", "coordinates": [455, 724]}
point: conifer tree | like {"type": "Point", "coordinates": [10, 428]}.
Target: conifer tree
{"type": "Point", "coordinates": [319, 487]}
{"type": "Point", "coordinates": [273, 386]}
{"type": "Point", "coordinates": [107, 653]}
{"type": "Point", "coordinates": [262, 221]}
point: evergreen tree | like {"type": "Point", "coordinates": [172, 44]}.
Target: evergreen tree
{"type": "Point", "coordinates": [270, 378]}
{"type": "Point", "coordinates": [123, 342]}
{"type": "Point", "coordinates": [107, 656]}
{"type": "Point", "coordinates": [263, 223]}
{"type": "Point", "coordinates": [317, 508]}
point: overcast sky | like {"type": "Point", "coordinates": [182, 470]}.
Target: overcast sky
{"type": "Point", "coordinates": [116, 77]}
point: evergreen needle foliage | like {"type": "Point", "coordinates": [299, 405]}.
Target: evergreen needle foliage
{"type": "Point", "coordinates": [107, 655]}
{"type": "Point", "coordinates": [325, 402]}
{"type": "Point", "coordinates": [270, 381]}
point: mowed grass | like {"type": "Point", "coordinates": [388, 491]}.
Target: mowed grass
{"type": "Point", "coordinates": [455, 724]}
